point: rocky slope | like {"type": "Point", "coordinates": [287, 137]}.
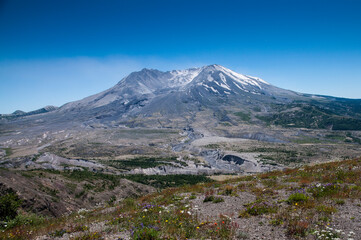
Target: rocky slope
{"type": "Point", "coordinates": [312, 202]}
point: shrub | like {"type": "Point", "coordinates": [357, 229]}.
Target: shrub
{"type": "Point", "coordinates": [193, 196]}
{"type": "Point", "coordinates": [228, 190]}
{"type": "Point", "coordinates": [326, 209]}
{"type": "Point", "coordinates": [9, 204]}
{"type": "Point", "coordinates": [297, 228]}
{"type": "Point", "coordinates": [78, 228]}
{"type": "Point", "coordinates": [129, 203]}
{"type": "Point", "coordinates": [209, 198]}
{"type": "Point", "coordinates": [323, 190]}
{"type": "Point", "coordinates": [145, 233]}
{"type": "Point", "coordinates": [259, 207]}
{"type": "Point", "coordinates": [297, 197]}
{"type": "Point", "coordinates": [340, 201]}
{"type": "Point", "coordinates": [22, 220]}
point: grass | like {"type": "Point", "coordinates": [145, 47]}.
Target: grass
{"type": "Point", "coordinates": [312, 196]}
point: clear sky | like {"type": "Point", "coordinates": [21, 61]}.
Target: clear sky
{"type": "Point", "coordinates": [53, 52]}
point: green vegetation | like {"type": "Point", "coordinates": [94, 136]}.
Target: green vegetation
{"type": "Point", "coordinates": [246, 117]}
{"type": "Point", "coordinates": [297, 197]}
{"type": "Point", "coordinates": [8, 151]}
{"type": "Point", "coordinates": [213, 146]}
{"type": "Point", "coordinates": [85, 175]}
{"type": "Point", "coordinates": [146, 233]}
{"type": "Point", "coordinates": [336, 137]}
{"type": "Point", "coordinates": [213, 199]}
{"type": "Point", "coordinates": [324, 190]}
{"type": "Point", "coordinates": [354, 139]}
{"type": "Point", "coordinates": [50, 191]}
{"type": "Point", "coordinates": [143, 162]}
{"type": "Point", "coordinates": [306, 139]}
{"type": "Point", "coordinates": [208, 198]}
{"type": "Point", "coordinates": [9, 204]}
{"type": "Point", "coordinates": [279, 155]}
{"type": "Point", "coordinates": [164, 181]}
{"type": "Point", "coordinates": [258, 207]}
{"type": "Point", "coordinates": [311, 116]}
{"type": "Point", "coordinates": [298, 202]}
{"type": "Point", "coordinates": [25, 220]}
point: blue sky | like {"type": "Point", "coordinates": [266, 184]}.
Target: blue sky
{"type": "Point", "coordinates": [53, 52]}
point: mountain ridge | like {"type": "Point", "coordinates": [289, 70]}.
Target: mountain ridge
{"type": "Point", "coordinates": [145, 97]}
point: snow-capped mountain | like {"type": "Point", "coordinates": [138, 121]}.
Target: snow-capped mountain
{"type": "Point", "coordinates": [150, 96]}
{"type": "Point", "coordinates": [149, 83]}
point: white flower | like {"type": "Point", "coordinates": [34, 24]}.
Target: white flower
{"type": "Point", "coordinates": [189, 213]}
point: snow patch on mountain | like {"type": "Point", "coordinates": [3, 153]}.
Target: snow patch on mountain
{"type": "Point", "coordinates": [183, 77]}
{"type": "Point", "coordinates": [240, 78]}
{"type": "Point", "coordinates": [151, 83]}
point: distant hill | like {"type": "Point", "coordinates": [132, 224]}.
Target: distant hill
{"type": "Point", "coordinates": [19, 113]}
